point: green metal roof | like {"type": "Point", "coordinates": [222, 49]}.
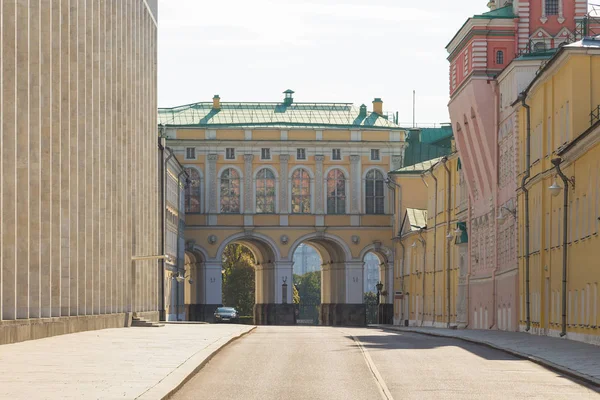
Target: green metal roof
{"type": "Point", "coordinates": [279, 115]}
{"type": "Point", "coordinates": [503, 12]}
{"type": "Point", "coordinates": [434, 135]}
{"type": "Point", "coordinates": [417, 168]}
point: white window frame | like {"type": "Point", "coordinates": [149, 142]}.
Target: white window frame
{"type": "Point", "coordinates": [187, 152]}
{"type": "Point", "coordinates": [339, 154]}
{"type": "Point", "coordinates": [378, 155]}
{"type": "Point", "coordinates": [301, 151]}
{"type": "Point", "coordinates": [265, 151]}
{"type": "Point", "coordinates": [230, 153]}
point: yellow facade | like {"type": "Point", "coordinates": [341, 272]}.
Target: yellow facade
{"type": "Point", "coordinates": [561, 100]}
{"type": "Point", "coordinates": [427, 269]}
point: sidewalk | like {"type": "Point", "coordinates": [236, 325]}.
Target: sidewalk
{"type": "Point", "coordinates": [576, 359]}
{"type": "Point", "coordinates": [125, 363]}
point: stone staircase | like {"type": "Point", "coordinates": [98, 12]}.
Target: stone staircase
{"type": "Point", "coordinates": [144, 323]}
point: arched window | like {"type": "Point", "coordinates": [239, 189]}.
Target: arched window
{"type": "Point", "coordinates": [336, 192]}
{"type": "Point", "coordinates": [301, 192]}
{"type": "Point", "coordinates": [374, 192]}
{"type": "Point", "coordinates": [230, 191]}
{"type": "Point", "coordinates": [192, 191]}
{"type": "Point", "coordinates": [265, 191]}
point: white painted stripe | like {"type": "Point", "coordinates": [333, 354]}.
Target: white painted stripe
{"type": "Point", "coordinates": [383, 389]}
{"type": "Point", "coordinates": [150, 12]}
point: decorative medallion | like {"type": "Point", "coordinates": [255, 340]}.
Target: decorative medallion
{"type": "Point", "coordinates": [212, 239]}
{"type": "Point", "coordinates": [355, 239]}
{"type": "Point", "coordinates": [284, 239]}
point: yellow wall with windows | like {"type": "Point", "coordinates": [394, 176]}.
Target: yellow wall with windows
{"type": "Point", "coordinates": [561, 100]}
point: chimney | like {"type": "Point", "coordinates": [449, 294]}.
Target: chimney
{"type": "Point", "coordinates": [378, 106]}
{"type": "Point", "coordinates": [288, 100]}
{"type": "Point", "coordinates": [216, 102]}
{"type": "Point", "coordinates": [363, 111]}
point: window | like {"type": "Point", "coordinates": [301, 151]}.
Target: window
{"type": "Point", "coordinates": [230, 191]}
{"type": "Point", "coordinates": [499, 57]}
{"type": "Point", "coordinates": [336, 192]}
{"type": "Point", "coordinates": [301, 154]}
{"type": "Point", "coordinates": [265, 154]}
{"type": "Point", "coordinates": [375, 155]}
{"type": "Point", "coordinates": [552, 7]}
{"type": "Point", "coordinates": [539, 46]}
{"type": "Point", "coordinates": [336, 154]}
{"type": "Point", "coordinates": [190, 153]}
{"type": "Point", "coordinates": [301, 192]}
{"type": "Point", "coordinates": [192, 191]}
{"type": "Point", "coordinates": [265, 191]}
{"type": "Point", "coordinates": [374, 192]}
{"type": "Point", "coordinates": [230, 153]}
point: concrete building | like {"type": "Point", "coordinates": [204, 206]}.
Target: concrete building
{"type": "Point", "coordinates": [78, 177]}
{"type": "Point", "coordinates": [306, 259]}
{"type": "Point", "coordinates": [484, 124]}
{"type": "Point", "coordinates": [558, 228]}
{"type": "Point", "coordinates": [276, 175]}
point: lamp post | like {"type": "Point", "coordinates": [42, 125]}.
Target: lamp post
{"type": "Point", "coordinates": [379, 286]}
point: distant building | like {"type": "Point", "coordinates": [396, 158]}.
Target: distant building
{"type": "Point", "coordinates": [306, 259]}
{"type": "Point", "coordinates": [372, 272]}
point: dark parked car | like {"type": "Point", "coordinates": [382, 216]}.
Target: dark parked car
{"type": "Point", "coordinates": [226, 314]}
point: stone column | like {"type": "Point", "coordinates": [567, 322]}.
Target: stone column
{"type": "Point", "coordinates": [212, 183]}
{"type": "Point", "coordinates": [356, 184]}
{"type": "Point", "coordinates": [283, 184]}
{"type": "Point", "coordinates": [283, 272]}
{"type": "Point", "coordinates": [319, 209]}
{"type": "Point", "coordinates": [248, 186]}
{"type": "Point", "coordinates": [325, 284]}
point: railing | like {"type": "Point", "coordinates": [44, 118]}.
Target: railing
{"type": "Point", "coordinates": [595, 115]}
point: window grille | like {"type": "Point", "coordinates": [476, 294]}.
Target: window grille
{"type": "Point", "coordinates": [301, 154]}
{"type": "Point", "coordinates": [265, 154]}
{"type": "Point", "coordinates": [190, 153]}
{"type": "Point", "coordinates": [336, 154]}
{"type": "Point", "coordinates": [230, 153]}
{"type": "Point", "coordinates": [375, 155]}
{"type": "Point", "coordinates": [552, 7]}
{"type": "Point", "coordinates": [499, 57]}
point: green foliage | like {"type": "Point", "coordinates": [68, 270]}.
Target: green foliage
{"type": "Point", "coordinates": [370, 298]}
{"type": "Point", "coordinates": [238, 279]}
{"type": "Point", "coordinates": [308, 287]}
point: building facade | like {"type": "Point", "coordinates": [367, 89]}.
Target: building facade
{"type": "Point", "coordinates": [275, 175]}
{"type": "Point", "coordinates": [78, 178]}
{"type": "Point", "coordinates": [558, 231]}
{"type": "Point", "coordinates": [482, 90]}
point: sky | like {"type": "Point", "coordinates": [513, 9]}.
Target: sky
{"type": "Point", "coordinates": [324, 50]}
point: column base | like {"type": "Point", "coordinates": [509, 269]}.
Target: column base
{"type": "Point", "coordinates": [201, 312]}
{"type": "Point", "coordinates": [274, 314]}
{"type": "Point", "coordinates": [343, 315]}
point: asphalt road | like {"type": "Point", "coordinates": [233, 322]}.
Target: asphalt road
{"type": "Point", "coordinates": [358, 363]}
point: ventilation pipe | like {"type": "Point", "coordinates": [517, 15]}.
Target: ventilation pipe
{"type": "Point", "coordinates": [378, 106]}
{"type": "Point", "coordinates": [526, 214]}
{"type": "Point", "coordinates": [449, 209]}
{"type": "Point", "coordinates": [435, 212]}
{"type": "Point", "coordinates": [216, 102]}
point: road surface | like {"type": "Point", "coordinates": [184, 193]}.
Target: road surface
{"type": "Point", "coordinates": [358, 363]}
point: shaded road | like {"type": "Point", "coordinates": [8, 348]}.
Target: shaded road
{"type": "Point", "coordinates": [327, 363]}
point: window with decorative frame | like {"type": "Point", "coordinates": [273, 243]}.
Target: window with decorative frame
{"type": "Point", "coordinates": [230, 153]}
{"type": "Point", "coordinates": [375, 156]}
{"type": "Point", "coordinates": [336, 192]}
{"type": "Point", "coordinates": [374, 192]}
{"type": "Point", "coordinates": [301, 192]}
{"type": "Point", "coordinates": [192, 192]}
{"type": "Point", "coordinates": [300, 154]}
{"type": "Point", "coordinates": [265, 154]}
{"type": "Point", "coordinates": [230, 191]}
{"type": "Point", "coordinates": [265, 192]}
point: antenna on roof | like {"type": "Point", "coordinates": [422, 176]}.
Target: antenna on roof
{"type": "Point", "coordinates": [414, 101]}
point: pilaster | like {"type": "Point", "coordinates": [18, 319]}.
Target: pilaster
{"type": "Point", "coordinates": [355, 184]}
{"type": "Point", "coordinates": [212, 183]}
{"type": "Point", "coordinates": [319, 208]}
{"type": "Point", "coordinates": [283, 183]}
{"type": "Point", "coordinates": [248, 209]}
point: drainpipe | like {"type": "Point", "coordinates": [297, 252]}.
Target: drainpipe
{"type": "Point", "coordinates": [179, 259]}
{"type": "Point", "coordinates": [526, 214]}
{"type": "Point", "coordinates": [163, 189]}
{"type": "Point", "coordinates": [424, 243]}
{"type": "Point", "coordinates": [435, 212]}
{"type": "Point", "coordinates": [449, 194]}
{"type": "Point", "coordinates": [402, 281]}
{"type": "Point", "coordinates": [566, 181]}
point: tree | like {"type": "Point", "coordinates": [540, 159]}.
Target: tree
{"type": "Point", "coordinates": [309, 287]}
{"type": "Point", "coordinates": [370, 298]}
{"type": "Point", "coordinates": [238, 278]}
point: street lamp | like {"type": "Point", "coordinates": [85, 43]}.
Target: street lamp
{"type": "Point", "coordinates": [502, 217]}
{"type": "Point", "coordinates": [379, 286]}
{"type": "Point", "coordinates": [555, 189]}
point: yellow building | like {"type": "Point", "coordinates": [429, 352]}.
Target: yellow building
{"type": "Point", "coordinates": [431, 245]}
{"type": "Point", "coordinates": [559, 247]}
{"type": "Point", "coordinates": [272, 176]}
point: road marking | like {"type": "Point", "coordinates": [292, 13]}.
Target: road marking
{"type": "Point", "coordinates": [383, 389]}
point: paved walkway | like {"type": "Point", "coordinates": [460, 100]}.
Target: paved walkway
{"type": "Point", "coordinates": [126, 363]}
{"type": "Point", "coordinates": [579, 360]}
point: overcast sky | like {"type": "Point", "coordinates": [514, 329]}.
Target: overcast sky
{"type": "Point", "coordinates": [326, 51]}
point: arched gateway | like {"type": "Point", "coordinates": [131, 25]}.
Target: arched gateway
{"type": "Point", "coordinates": [274, 176]}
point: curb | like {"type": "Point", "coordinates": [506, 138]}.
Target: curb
{"type": "Point", "coordinates": [157, 392]}
{"type": "Point", "coordinates": [595, 383]}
